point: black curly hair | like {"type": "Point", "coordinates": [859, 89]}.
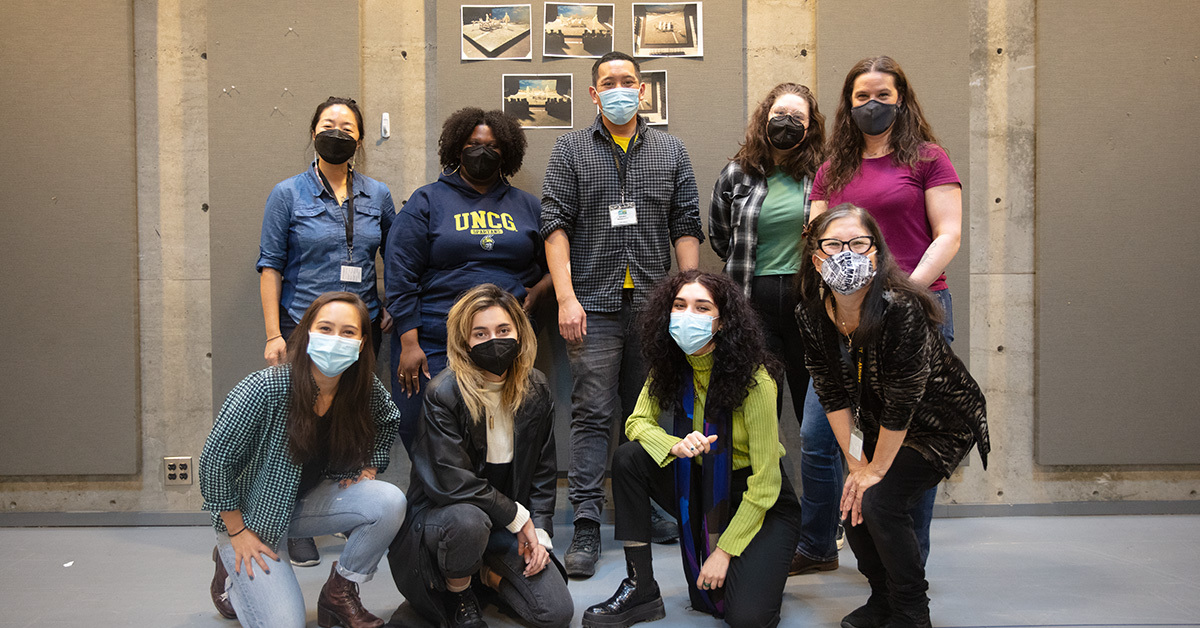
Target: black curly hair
{"type": "Point", "coordinates": [461, 124]}
{"type": "Point", "coordinates": [740, 344]}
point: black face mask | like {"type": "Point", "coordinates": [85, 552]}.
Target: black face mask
{"type": "Point", "coordinates": [874, 117]}
{"type": "Point", "coordinates": [335, 146]}
{"type": "Point", "coordinates": [482, 163]}
{"type": "Point", "coordinates": [495, 355]}
{"type": "Point", "coordinates": [784, 132]}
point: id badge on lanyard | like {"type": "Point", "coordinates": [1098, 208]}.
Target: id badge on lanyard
{"type": "Point", "coordinates": [350, 272]}
{"type": "Point", "coordinates": [856, 434]}
{"type": "Point", "coordinates": [622, 214]}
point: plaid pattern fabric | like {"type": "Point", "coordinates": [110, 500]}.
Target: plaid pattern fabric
{"type": "Point", "coordinates": [246, 463]}
{"type": "Point", "coordinates": [582, 182]}
{"type": "Point", "coordinates": [737, 199]}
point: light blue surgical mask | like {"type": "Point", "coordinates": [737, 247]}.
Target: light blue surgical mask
{"type": "Point", "coordinates": [619, 104]}
{"type": "Point", "coordinates": [691, 331]}
{"type": "Point", "coordinates": [332, 354]}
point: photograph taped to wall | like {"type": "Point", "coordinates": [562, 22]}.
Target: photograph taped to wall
{"type": "Point", "coordinates": [653, 104]}
{"type": "Point", "coordinates": [668, 29]}
{"type": "Point", "coordinates": [538, 101]}
{"type": "Point", "coordinates": [496, 32]}
{"type": "Point", "coordinates": [577, 30]}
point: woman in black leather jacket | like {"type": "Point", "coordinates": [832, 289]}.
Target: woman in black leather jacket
{"type": "Point", "coordinates": [481, 496]}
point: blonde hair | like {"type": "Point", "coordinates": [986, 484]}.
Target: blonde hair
{"type": "Point", "coordinates": [470, 377]}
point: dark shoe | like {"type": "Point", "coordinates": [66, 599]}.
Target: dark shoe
{"type": "Point", "coordinates": [303, 552]}
{"type": "Point", "coordinates": [630, 605]}
{"type": "Point", "coordinates": [339, 604]}
{"type": "Point", "coordinates": [463, 609]}
{"type": "Point", "coordinates": [802, 564]}
{"type": "Point", "coordinates": [841, 537]}
{"type": "Point", "coordinates": [874, 614]}
{"type": "Point", "coordinates": [584, 551]}
{"type": "Point", "coordinates": [663, 530]}
{"type": "Point", "coordinates": [217, 589]}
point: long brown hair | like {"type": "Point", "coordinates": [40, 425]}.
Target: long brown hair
{"type": "Point", "coordinates": [909, 132]}
{"type": "Point", "coordinates": [352, 426]}
{"type": "Point", "coordinates": [470, 377]}
{"type": "Point", "coordinates": [888, 276]}
{"type": "Point", "coordinates": [755, 154]}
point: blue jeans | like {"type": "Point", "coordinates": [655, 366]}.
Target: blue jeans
{"type": "Point", "coordinates": [821, 474]}
{"type": "Point", "coordinates": [607, 374]}
{"type": "Point", "coordinates": [372, 510]}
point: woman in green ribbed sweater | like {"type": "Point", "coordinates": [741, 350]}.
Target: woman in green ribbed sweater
{"type": "Point", "coordinates": [716, 471]}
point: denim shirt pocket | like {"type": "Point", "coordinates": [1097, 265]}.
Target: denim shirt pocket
{"type": "Point", "coordinates": [367, 229]}
{"type": "Point", "coordinates": [314, 228]}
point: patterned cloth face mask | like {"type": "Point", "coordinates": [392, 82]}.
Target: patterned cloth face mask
{"type": "Point", "coordinates": [332, 354]}
{"type": "Point", "coordinates": [847, 272]}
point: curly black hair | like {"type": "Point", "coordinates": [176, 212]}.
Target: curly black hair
{"type": "Point", "coordinates": [740, 344]}
{"type": "Point", "coordinates": [461, 124]}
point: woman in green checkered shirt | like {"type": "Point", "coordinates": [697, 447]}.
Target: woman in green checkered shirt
{"type": "Point", "coordinates": [294, 452]}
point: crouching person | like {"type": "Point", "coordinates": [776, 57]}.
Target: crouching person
{"type": "Point", "coordinates": [483, 476]}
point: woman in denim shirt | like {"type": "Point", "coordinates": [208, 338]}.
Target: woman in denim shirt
{"type": "Point", "coordinates": [307, 248]}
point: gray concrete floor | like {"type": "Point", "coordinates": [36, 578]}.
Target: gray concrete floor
{"type": "Point", "coordinates": [997, 572]}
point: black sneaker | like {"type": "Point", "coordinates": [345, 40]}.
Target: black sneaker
{"type": "Point", "coordinates": [663, 530]}
{"type": "Point", "coordinates": [874, 614]}
{"type": "Point", "coordinates": [463, 610]}
{"type": "Point", "coordinates": [584, 551]}
{"type": "Point", "coordinates": [630, 605]}
{"type": "Point", "coordinates": [303, 552]}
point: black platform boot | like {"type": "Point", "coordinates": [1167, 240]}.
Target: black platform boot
{"type": "Point", "coordinates": [636, 600]}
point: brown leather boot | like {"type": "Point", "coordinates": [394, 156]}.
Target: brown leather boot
{"type": "Point", "coordinates": [217, 589]}
{"type": "Point", "coordinates": [339, 604]}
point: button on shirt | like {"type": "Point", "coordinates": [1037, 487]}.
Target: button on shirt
{"type": "Point", "coordinates": [304, 238]}
{"type": "Point", "coordinates": [581, 184]}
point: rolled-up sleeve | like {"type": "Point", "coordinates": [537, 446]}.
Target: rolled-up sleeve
{"type": "Point", "coordinates": [685, 201]}
{"type": "Point", "coordinates": [719, 209]}
{"type": "Point", "coordinates": [277, 218]}
{"type": "Point", "coordinates": [560, 191]}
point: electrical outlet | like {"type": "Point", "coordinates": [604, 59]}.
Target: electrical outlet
{"type": "Point", "coordinates": [178, 470]}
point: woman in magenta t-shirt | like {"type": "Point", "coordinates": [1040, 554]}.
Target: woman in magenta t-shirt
{"type": "Point", "coordinates": [884, 158]}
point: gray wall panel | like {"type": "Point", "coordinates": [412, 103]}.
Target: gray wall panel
{"type": "Point", "coordinates": [68, 249]}
{"type": "Point", "coordinates": [929, 39]}
{"type": "Point", "coordinates": [270, 64]}
{"type": "Point", "coordinates": [1118, 118]}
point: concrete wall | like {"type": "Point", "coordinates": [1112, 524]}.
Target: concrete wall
{"type": "Point", "coordinates": [397, 52]}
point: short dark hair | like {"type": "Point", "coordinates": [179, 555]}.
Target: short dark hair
{"type": "Point", "coordinates": [614, 56]}
{"type": "Point", "coordinates": [457, 129]}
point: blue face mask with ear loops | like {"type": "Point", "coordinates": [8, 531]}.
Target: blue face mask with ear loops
{"type": "Point", "coordinates": [691, 331]}
{"type": "Point", "coordinates": [619, 104]}
{"type": "Point", "coordinates": [332, 354]}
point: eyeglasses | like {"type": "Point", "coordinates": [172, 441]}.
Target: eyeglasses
{"type": "Point", "coordinates": [860, 245]}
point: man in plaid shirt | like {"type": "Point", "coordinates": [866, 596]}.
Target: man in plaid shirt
{"type": "Point", "coordinates": [616, 196]}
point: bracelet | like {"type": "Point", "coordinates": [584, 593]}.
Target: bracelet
{"type": "Point", "coordinates": [274, 337]}
{"type": "Point", "coordinates": [238, 532]}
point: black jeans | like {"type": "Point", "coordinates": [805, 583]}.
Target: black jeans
{"type": "Point", "coordinates": [755, 580]}
{"type": "Point", "coordinates": [774, 298]}
{"type": "Point", "coordinates": [885, 543]}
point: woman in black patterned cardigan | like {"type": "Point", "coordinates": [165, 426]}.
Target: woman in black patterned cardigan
{"type": "Point", "coordinates": [903, 407]}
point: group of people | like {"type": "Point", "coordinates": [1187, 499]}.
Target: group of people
{"type": "Point", "coordinates": [834, 254]}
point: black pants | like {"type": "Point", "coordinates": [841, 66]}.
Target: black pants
{"type": "Point", "coordinates": [885, 543]}
{"type": "Point", "coordinates": [775, 298]}
{"type": "Point", "coordinates": [755, 580]}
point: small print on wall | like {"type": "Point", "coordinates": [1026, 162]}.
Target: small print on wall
{"type": "Point", "coordinates": [668, 29]}
{"type": "Point", "coordinates": [538, 101]}
{"type": "Point", "coordinates": [496, 32]}
{"type": "Point", "coordinates": [653, 105]}
{"type": "Point", "coordinates": [577, 30]}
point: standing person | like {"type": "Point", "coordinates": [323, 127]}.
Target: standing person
{"type": "Point", "coordinates": [469, 227]}
{"type": "Point", "coordinates": [615, 197]}
{"type": "Point", "coordinates": [294, 451]}
{"type": "Point", "coordinates": [717, 471]}
{"type": "Point", "coordinates": [484, 476]}
{"type": "Point", "coordinates": [884, 158]}
{"type": "Point", "coordinates": [902, 406]}
{"type": "Point", "coordinates": [310, 245]}
{"type": "Point", "coordinates": [758, 211]}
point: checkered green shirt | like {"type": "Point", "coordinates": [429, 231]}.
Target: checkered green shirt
{"type": "Point", "coordinates": [246, 463]}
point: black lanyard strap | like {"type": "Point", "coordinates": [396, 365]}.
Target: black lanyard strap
{"type": "Point", "coordinates": [347, 211]}
{"type": "Point", "coordinates": [621, 158]}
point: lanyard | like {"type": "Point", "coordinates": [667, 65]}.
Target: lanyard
{"type": "Point", "coordinates": [347, 211]}
{"type": "Point", "coordinates": [621, 159]}
{"type": "Point", "coordinates": [856, 364]}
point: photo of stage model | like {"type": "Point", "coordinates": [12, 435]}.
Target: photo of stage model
{"type": "Point", "coordinates": [496, 32]}
{"type": "Point", "coordinates": [653, 105]}
{"type": "Point", "coordinates": [538, 101]}
{"type": "Point", "coordinates": [668, 29]}
{"type": "Point", "coordinates": [577, 30]}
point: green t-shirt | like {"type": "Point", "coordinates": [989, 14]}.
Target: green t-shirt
{"type": "Point", "coordinates": [780, 223]}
